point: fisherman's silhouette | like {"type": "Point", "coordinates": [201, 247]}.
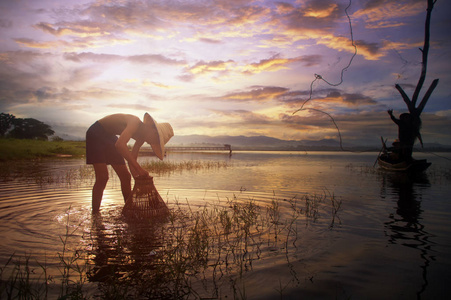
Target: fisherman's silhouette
{"type": "Point", "coordinates": [408, 132]}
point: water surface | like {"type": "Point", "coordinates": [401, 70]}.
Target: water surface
{"type": "Point", "coordinates": [341, 228]}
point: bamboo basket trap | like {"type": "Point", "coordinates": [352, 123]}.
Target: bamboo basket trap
{"type": "Point", "coordinates": [145, 201]}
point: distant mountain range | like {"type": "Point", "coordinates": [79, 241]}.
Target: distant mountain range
{"type": "Point", "coordinates": [270, 143]}
{"type": "Point", "coordinates": [253, 143]}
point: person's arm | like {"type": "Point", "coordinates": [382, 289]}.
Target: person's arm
{"type": "Point", "coordinates": [121, 146]}
{"type": "Point", "coordinates": [390, 112]}
{"type": "Point", "coordinates": [135, 152]}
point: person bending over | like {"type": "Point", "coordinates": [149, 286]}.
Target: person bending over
{"type": "Point", "coordinates": [106, 144]}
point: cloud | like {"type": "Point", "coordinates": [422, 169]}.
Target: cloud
{"type": "Point", "coordinates": [73, 45]}
{"type": "Point", "coordinates": [320, 9]}
{"type": "Point", "coordinates": [273, 64]}
{"type": "Point", "coordinates": [347, 98]}
{"type": "Point", "coordinates": [203, 67]}
{"type": "Point", "coordinates": [389, 14]}
{"type": "Point", "coordinates": [36, 77]}
{"type": "Point", "coordinates": [133, 106]}
{"type": "Point", "coordinates": [154, 58]}
{"type": "Point", "coordinates": [323, 98]}
{"type": "Point", "coordinates": [365, 127]}
{"type": "Point", "coordinates": [257, 93]}
{"type": "Point", "coordinates": [371, 51]}
{"type": "Point", "coordinates": [111, 58]}
{"type": "Point", "coordinates": [310, 18]}
{"type": "Point", "coordinates": [276, 63]}
{"type": "Point", "coordinates": [80, 29]}
{"type": "Point", "coordinates": [5, 23]}
{"type": "Point", "coordinates": [157, 18]}
{"type": "Point", "coordinates": [244, 116]}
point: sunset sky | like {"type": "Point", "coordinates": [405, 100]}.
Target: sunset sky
{"type": "Point", "coordinates": [225, 67]}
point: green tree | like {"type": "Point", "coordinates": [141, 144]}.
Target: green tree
{"type": "Point", "coordinates": [30, 129]}
{"type": "Point", "coordinates": [6, 122]}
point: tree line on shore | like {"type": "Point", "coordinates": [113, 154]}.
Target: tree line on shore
{"type": "Point", "coordinates": [27, 128]}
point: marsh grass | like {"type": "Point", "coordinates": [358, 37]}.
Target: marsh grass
{"type": "Point", "coordinates": [22, 277]}
{"type": "Point", "coordinates": [164, 167]}
{"type": "Point", "coordinates": [198, 252]}
{"type": "Point", "coordinates": [36, 171]}
{"type": "Point", "coordinates": [206, 251]}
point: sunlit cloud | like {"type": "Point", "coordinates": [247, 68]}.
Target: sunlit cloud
{"type": "Point", "coordinates": [244, 117]}
{"type": "Point", "coordinates": [110, 58]}
{"type": "Point", "coordinates": [256, 94]}
{"type": "Point", "coordinates": [320, 11]}
{"type": "Point", "coordinates": [324, 97]}
{"type": "Point", "coordinates": [277, 63]}
{"type": "Point", "coordinates": [74, 45]}
{"type": "Point", "coordinates": [212, 66]}
{"type": "Point", "coordinates": [133, 106]}
{"type": "Point", "coordinates": [85, 29]}
{"type": "Point", "coordinates": [387, 14]}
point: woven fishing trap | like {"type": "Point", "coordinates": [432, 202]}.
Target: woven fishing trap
{"type": "Point", "coordinates": [145, 201]}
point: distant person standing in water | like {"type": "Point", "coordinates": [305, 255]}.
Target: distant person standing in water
{"type": "Point", "coordinates": [106, 144]}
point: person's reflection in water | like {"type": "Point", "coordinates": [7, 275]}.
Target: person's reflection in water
{"type": "Point", "coordinates": [120, 249]}
{"type": "Point", "coordinates": [102, 251]}
{"type": "Point", "coordinates": [404, 227]}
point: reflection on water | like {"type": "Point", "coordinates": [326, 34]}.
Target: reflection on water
{"type": "Point", "coordinates": [269, 225]}
{"type": "Point", "coordinates": [118, 248]}
{"type": "Point", "coordinates": [404, 227]}
{"type": "Point", "coordinates": [203, 250]}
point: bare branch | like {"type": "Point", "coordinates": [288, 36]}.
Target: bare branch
{"type": "Point", "coordinates": [426, 97]}
{"type": "Point", "coordinates": [406, 98]}
{"type": "Point", "coordinates": [425, 52]}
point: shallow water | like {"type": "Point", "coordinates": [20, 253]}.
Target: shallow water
{"type": "Point", "coordinates": [341, 229]}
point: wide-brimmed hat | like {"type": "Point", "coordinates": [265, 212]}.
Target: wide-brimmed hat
{"type": "Point", "coordinates": [160, 134]}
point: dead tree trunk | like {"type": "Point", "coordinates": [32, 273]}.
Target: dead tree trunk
{"type": "Point", "coordinates": [414, 110]}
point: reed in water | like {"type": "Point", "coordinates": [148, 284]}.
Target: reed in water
{"type": "Point", "coordinates": [200, 251]}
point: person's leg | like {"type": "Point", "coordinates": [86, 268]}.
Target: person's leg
{"type": "Point", "coordinates": [125, 178]}
{"type": "Point", "coordinates": [101, 171]}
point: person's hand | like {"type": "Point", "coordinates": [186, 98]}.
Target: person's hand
{"type": "Point", "coordinates": [143, 173]}
{"type": "Point", "coordinates": [390, 112]}
{"type": "Point", "coordinates": [138, 171]}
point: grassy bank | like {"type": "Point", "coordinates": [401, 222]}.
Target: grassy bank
{"type": "Point", "coordinates": [14, 149]}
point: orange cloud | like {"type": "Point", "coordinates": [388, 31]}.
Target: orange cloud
{"type": "Point", "coordinates": [213, 66]}
{"type": "Point", "coordinates": [257, 93]}
{"type": "Point", "coordinates": [83, 29]}
{"type": "Point", "coordinates": [74, 45]}
{"type": "Point", "coordinates": [276, 63]}
{"type": "Point", "coordinates": [370, 51]}
{"type": "Point", "coordinates": [321, 12]}
{"type": "Point", "coordinates": [385, 14]}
